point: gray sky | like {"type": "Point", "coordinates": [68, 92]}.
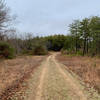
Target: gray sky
{"type": "Point", "coordinates": [46, 17]}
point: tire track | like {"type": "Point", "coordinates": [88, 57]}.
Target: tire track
{"type": "Point", "coordinates": [69, 80]}
{"type": "Point", "coordinates": [52, 82]}
{"type": "Point", "coordinates": [40, 86]}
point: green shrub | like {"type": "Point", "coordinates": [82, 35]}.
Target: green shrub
{"type": "Point", "coordinates": [79, 53]}
{"type": "Point", "coordinates": [39, 50]}
{"type": "Point", "coordinates": [6, 50]}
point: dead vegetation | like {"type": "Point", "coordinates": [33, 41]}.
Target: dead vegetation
{"type": "Point", "coordinates": [85, 67]}
{"type": "Point", "coordinates": [14, 72]}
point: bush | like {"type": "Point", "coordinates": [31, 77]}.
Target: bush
{"type": "Point", "coordinates": [67, 51]}
{"type": "Point", "coordinates": [63, 51]}
{"type": "Point", "coordinates": [6, 50]}
{"type": "Point", "coordinates": [79, 53]}
{"type": "Point", "coordinates": [40, 50]}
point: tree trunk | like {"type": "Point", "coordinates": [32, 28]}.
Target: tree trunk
{"type": "Point", "coordinates": [87, 46]}
{"type": "Point", "coordinates": [76, 45]}
{"type": "Point", "coordinates": [84, 48]}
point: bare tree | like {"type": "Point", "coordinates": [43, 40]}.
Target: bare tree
{"type": "Point", "coordinates": [4, 18]}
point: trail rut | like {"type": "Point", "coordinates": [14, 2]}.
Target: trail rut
{"type": "Point", "coordinates": [39, 92]}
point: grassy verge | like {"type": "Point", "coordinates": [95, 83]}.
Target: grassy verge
{"type": "Point", "coordinates": [87, 68]}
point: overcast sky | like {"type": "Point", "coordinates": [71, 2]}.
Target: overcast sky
{"type": "Point", "coordinates": [47, 17]}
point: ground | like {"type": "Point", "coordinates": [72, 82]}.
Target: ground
{"type": "Point", "coordinates": [87, 68]}
{"type": "Point", "coordinates": [15, 72]}
{"type": "Point", "coordinates": [51, 80]}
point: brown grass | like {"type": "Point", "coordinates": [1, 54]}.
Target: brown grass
{"type": "Point", "coordinates": [85, 67]}
{"type": "Point", "coordinates": [14, 72]}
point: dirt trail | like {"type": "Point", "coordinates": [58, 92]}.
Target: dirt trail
{"type": "Point", "coordinates": [39, 92]}
{"type": "Point", "coordinates": [70, 81]}
{"type": "Point", "coordinates": [51, 81]}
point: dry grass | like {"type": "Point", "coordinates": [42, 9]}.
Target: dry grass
{"type": "Point", "coordinates": [14, 72]}
{"type": "Point", "coordinates": [85, 67]}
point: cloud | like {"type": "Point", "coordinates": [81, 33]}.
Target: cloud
{"type": "Point", "coordinates": [51, 16]}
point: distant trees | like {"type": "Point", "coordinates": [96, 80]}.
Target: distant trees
{"type": "Point", "coordinates": [84, 33]}
{"type": "Point", "coordinates": [84, 38]}
{"type": "Point", "coordinates": [56, 42]}
{"type": "Point", "coordinates": [74, 29]}
{"type": "Point", "coordinates": [88, 31]}
{"type": "Point", "coordinates": [95, 34]}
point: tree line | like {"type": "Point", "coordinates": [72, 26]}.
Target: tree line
{"type": "Point", "coordinates": [86, 34]}
{"type": "Point", "coordinates": [84, 38]}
